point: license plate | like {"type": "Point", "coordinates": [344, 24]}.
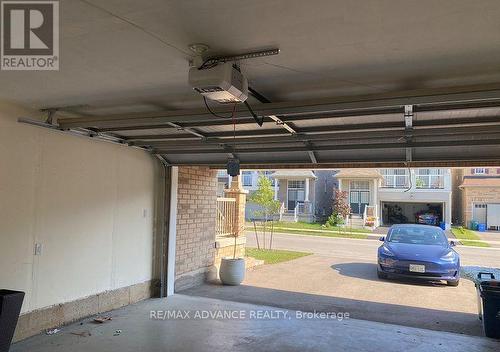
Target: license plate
{"type": "Point", "coordinates": [417, 268]}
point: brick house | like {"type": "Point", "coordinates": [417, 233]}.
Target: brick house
{"type": "Point", "coordinates": [477, 196]}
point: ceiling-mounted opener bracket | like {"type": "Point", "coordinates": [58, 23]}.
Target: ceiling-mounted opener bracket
{"type": "Point", "coordinates": [200, 49]}
{"type": "Point", "coordinates": [408, 116]}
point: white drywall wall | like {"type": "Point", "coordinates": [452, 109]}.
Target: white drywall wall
{"type": "Point", "coordinates": [90, 204]}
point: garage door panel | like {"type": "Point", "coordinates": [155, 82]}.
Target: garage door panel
{"type": "Point", "coordinates": [493, 215]}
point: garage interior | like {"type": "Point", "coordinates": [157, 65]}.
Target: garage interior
{"type": "Point", "coordinates": [108, 166]}
{"type": "Point", "coordinates": [412, 213]}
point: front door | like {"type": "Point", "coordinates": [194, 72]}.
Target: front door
{"type": "Point", "coordinates": [296, 193]}
{"type": "Point", "coordinates": [358, 201]}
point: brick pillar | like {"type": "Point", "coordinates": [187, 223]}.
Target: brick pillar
{"type": "Point", "coordinates": [237, 192]}
{"type": "Point", "coordinates": [226, 246]}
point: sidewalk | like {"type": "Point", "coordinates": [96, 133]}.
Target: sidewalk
{"type": "Point", "coordinates": [488, 235]}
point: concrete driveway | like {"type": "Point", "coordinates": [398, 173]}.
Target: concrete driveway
{"type": "Point", "coordinates": [341, 276]}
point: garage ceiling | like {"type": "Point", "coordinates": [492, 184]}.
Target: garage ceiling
{"type": "Point", "coordinates": [121, 56]}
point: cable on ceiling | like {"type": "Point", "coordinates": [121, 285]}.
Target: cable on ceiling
{"type": "Point", "coordinates": [258, 120]}
{"type": "Point", "coordinates": [215, 114]}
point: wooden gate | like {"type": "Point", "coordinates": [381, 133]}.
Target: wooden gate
{"type": "Point", "coordinates": [226, 217]}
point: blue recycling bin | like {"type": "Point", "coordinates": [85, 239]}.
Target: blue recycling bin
{"type": "Point", "coordinates": [442, 225]}
{"type": "Point", "coordinates": [481, 227]}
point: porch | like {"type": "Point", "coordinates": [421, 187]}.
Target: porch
{"type": "Point", "coordinates": [361, 186]}
{"type": "Point", "coordinates": [295, 190]}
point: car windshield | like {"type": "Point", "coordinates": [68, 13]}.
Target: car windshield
{"type": "Point", "coordinates": [417, 235]}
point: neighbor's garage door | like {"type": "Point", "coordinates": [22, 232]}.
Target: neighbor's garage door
{"type": "Point", "coordinates": [480, 210]}
{"type": "Point", "coordinates": [493, 215]}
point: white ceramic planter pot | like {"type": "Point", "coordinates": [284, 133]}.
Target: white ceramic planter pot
{"type": "Point", "coordinates": [232, 271]}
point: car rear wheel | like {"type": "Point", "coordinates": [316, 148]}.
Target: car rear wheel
{"type": "Point", "coordinates": [452, 283]}
{"type": "Point", "coordinates": [381, 275]}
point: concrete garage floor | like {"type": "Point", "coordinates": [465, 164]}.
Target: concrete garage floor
{"type": "Point", "coordinates": [140, 333]}
{"type": "Point", "coordinates": [341, 276]}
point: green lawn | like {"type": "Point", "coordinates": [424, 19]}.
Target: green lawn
{"type": "Point", "coordinates": [474, 243]}
{"type": "Point", "coordinates": [273, 256]}
{"type": "Point", "coordinates": [311, 229]}
{"type": "Point", "coordinates": [308, 226]}
{"type": "Point", "coordinates": [323, 234]}
{"type": "Point", "coordinates": [468, 237]}
{"type": "Point", "coordinates": [464, 234]}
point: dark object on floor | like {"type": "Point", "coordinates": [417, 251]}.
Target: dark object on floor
{"type": "Point", "coordinates": [101, 320]}
{"type": "Point", "coordinates": [395, 215]}
{"type": "Point", "coordinates": [488, 294]}
{"type": "Point", "coordinates": [10, 307]}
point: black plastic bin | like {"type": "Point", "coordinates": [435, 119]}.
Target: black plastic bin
{"type": "Point", "coordinates": [488, 293]}
{"type": "Point", "coordinates": [10, 307]}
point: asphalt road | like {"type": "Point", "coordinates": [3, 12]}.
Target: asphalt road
{"type": "Point", "coordinates": [366, 249]}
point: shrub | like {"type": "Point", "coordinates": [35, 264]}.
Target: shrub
{"type": "Point", "coordinates": [334, 220]}
{"type": "Point", "coordinates": [341, 210]}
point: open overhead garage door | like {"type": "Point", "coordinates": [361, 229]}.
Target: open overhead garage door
{"type": "Point", "coordinates": [412, 213]}
{"type": "Point", "coordinates": [410, 128]}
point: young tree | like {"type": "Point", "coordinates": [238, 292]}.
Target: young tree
{"type": "Point", "coordinates": [264, 198]}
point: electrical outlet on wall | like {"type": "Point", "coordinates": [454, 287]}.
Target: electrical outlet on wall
{"type": "Point", "coordinates": [38, 249]}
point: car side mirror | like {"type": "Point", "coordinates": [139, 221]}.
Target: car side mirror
{"type": "Point", "coordinates": [452, 244]}
{"type": "Point", "coordinates": [382, 239]}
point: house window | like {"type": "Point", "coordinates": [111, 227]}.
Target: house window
{"type": "Point", "coordinates": [247, 178]}
{"type": "Point", "coordinates": [360, 185]}
{"type": "Point", "coordinates": [395, 178]}
{"type": "Point", "coordinates": [268, 174]}
{"type": "Point", "coordinates": [480, 171]}
{"type": "Point", "coordinates": [429, 178]}
{"type": "Point", "coordinates": [222, 173]}
{"type": "Point", "coordinates": [294, 184]}
{"type": "Point", "coordinates": [295, 194]}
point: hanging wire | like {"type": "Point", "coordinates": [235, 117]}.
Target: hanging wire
{"type": "Point", "coordinates": [409, 179]}
{"type": "Point", "coordinates": [234, 125]}
{"type": "Point", "coordinates": [215, 114]}
{"type": "Point", "coordinates": [409, 170]}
